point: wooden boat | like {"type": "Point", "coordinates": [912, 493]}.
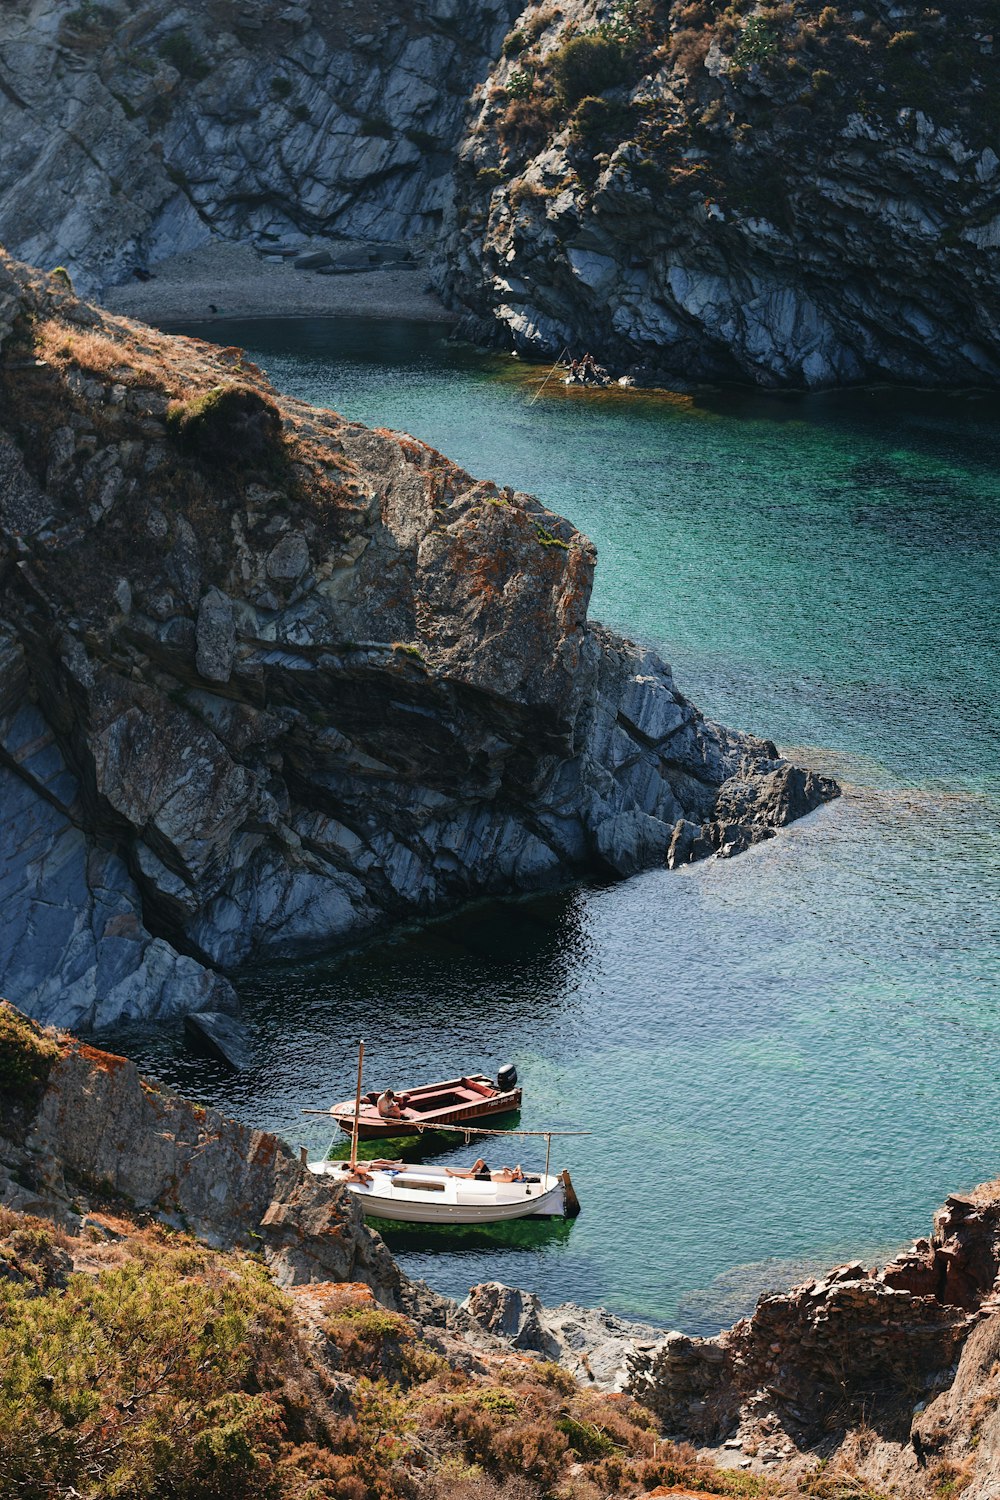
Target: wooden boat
{"type": "Point", "coordinates": [414, 1194]}
{"type": "Point", "coordinates": [457, 1101]}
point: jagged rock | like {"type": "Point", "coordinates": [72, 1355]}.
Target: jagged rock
{"type": "Point", "coordinates": [651, 224]}
{"type": "Point", "coordinates": [354, 685]}
{"type": "Point", "coordinates": [848, 1347]}
{"type": "Point", "coordinates": [215, 634]}
{"type": "Point", "coordinates": [282, 124]}
{"type": "Point", "coordinates": [220, 1034]}
{"type": "Point", "coordinates": [100, 1128]}
{"type": "Point", "coordinates": [594, 1345]}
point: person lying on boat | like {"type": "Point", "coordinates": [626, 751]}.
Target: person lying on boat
{"type": "Point", "coordinates": [509, 1174]}
{"type": "Point", "coordinates": [388, 1107]}
{"type": "Point", "coordinates": [357, 1173]}
{"type": "Point", "coordinates": [481, 1172]}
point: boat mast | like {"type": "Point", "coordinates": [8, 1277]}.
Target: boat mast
{"type": "Point", "coordinates": [357, 1107]}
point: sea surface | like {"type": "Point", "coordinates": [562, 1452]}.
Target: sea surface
{"type": "Point", "coordinates": [784, 1060]}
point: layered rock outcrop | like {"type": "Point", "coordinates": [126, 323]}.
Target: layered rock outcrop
{"type": "Point", "coordinates": [890, 1378]}
{"type": "Point", "coordinates": [856, 1347]}
{"type": "Point", "coordinates": [133, 131]}
{"type": "Point", "coordinates": [270, 679]}
{"type": "Point", "coordinates": [97, 1129]}
{"type": "Point", "coordinates": [803, 197]}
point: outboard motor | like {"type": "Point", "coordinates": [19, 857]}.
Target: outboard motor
{"type": "Point", "coordinates": [506, 1077]}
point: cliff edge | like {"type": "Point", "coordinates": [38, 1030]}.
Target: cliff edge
{"type": "Point", "coordinates": [792, 195]}
{"type": "Point", "coordinates": [269, 679]}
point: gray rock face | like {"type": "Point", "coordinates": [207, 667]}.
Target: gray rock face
{"type": "Point", "coordinates": [595, 1346]}
{"type": "Point", "coordinates": [215, 637]}
{"type": "Point", "coordinates": [132, 138]}
{"type": "Point", "coordinates": [355, 689]}
{"type": "Point", "coordinates": [774, 200]}
{"type": "Point", "coordinates": [656, 228]}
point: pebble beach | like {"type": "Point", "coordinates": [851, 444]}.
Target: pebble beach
{"type": "Point", "coordinates": [226, 280]}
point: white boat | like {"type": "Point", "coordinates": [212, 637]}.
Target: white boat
{"type": "Point", "coordinates": [433, 1195]}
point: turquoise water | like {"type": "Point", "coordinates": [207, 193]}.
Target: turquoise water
{"type": "Point", "coordinates": [784, 1059]}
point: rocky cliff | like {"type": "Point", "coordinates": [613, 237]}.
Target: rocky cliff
{"type": "Point", "coordinates": [797, 195]}
{"type": "Point", "coordinates": [269, 679]}
{"type": "Point", "coordinates": [86, 1129]}
{"type": "Point", "coordinates": [888, 1378]}
{"type": "Point", "coordinates": [133, 131]}
{"type": "Point", "coordinates": [891, 1373]}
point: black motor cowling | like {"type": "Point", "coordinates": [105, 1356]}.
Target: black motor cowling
{"type": "Point", "coordinates": [506, 1077]}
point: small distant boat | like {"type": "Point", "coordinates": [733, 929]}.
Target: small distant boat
{"type": "Point", "coordinates": [432, 1195]}
{"type": "Point", "coordinates": [456, 1101]}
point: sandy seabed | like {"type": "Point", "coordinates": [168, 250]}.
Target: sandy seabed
{"type": "Point", "coordinates": [236, 282]}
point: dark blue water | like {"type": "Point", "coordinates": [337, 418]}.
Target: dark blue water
{"type": "Point", "coordinates": [784, 1059]}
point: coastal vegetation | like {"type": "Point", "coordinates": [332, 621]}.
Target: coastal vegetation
{"type": "Point", "coordinates": [27, 1055]}
{"type": "Point", "coordinates": [134, 1361]}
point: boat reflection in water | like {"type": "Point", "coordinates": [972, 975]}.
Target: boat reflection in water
{"type": "Point", "coordinates": [516, 1234]}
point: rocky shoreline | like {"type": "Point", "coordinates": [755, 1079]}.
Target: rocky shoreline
{"type": "Point", "coordinates": [883, 1381]}
{"type": "Point", "coordinates": [596, 175]}
{"type": "Point", "coordinates": [270, 681]}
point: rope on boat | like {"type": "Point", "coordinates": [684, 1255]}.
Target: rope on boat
{"type": "Point", "coordinates": [549, 376]}
{"type": "Point", "coordinates": [467, 1130]}
{"type": "Point", "coordinates": [470, 1130]}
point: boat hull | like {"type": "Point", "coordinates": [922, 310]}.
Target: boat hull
{"type": "Point", "coordinates": [418, 1195]}
{"type": "Point", "coordinates": [458, 1101]}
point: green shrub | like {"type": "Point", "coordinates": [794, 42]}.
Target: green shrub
{"type": "Point", "coordinates": [520, 84]}
{"type": "Point", "coordinates": [500, 1402]}
{"type": "Point", "coordinates": [180, 52]}
{"type": "Point", "coordinates": [491, 176]}
{"type": "Point", "coordinates": [230, 424]}
{"type": "Point", "coordinates": [586, 65]}
{"type": "Point", "coordinates": [281, 87]}
{"type": "Point", "coordinates": [588, 1442]}
{"type": "Point", "coordinates": [90, 17]}
{"type": "Point", "coordinates": [422, 139]}
{"type": "Point", "coordinates": [758, 42]}
{"type": "Point", "coordinates": [129, 1384]}
{"type": "Point", "coordinates": [597, 119]}
{"type": "Point", "coordinates": [301, 113]}
{"type": "Point", "coordinates": [376, 125]}
{"type": "Point", "coordinates": [60, 274]}
{"type": "Point", "coordinates": [26, 1056]}
{"type": "Point", "coordinates": [513, 43]}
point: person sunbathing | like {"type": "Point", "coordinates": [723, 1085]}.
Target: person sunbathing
{"type": "Point", "coordinates": [357, 1173]}
{"type": "Point", "coordinates": [479, 1170]}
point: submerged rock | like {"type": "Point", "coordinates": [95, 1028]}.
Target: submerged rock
{"type": "Point", "coordinates": [264, 697]}
{"type": "Point", "coordinates": [220, 1034]}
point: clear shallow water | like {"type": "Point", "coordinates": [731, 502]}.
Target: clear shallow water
{"type": "Point", "coordinates": [787, 1058]}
